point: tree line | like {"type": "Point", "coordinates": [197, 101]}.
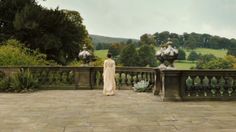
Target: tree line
{"type": "Point", "coordinates": [189, 40]}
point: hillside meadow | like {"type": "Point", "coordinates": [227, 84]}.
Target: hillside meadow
{"type": "Point", "coordinates": [179, 64]}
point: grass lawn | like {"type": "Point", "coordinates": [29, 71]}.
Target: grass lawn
{"type": "Point", "coordinates": [218, 53]}
{"type": "Point", "coordinates": [184, 65]}
{"type": "Point", "coordinates": [101, 53]}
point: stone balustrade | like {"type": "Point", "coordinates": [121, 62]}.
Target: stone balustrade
{"type": "Point", "coordinates": [179, 85]}
{"type": "Point", "coordinates": [198, 85]}
{"type": "Point", "coordinates": [84, 77]}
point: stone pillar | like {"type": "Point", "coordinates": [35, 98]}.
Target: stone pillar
{"type": "Point", "coordinates": [83, 78]}
{"type": "Point", "coordinates": [171, 85]}
{"type": "Point", "coordinates": [157, 86]}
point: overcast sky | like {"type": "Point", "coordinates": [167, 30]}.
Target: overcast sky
{"type": "Point", "coordinates": [132, 18]}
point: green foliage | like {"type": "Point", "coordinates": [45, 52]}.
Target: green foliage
{"type": "Point", "coordinates": [147, 39]}
{"type": "Point", "coordinates": [99, 62]}
{"type": "Point", "coordinates": [115, 49]}
{"type": "Point", "coordinates": [75, 63]}
{"type": "Point", "coordinates": [232, 51]}
{"type": "Point", "coordinates": [193, 56]}
{"type": "Point", "coordinates": [146, 55]}
{"type": "Point", "coordinates": [58, 33]}
{"type": "Point", "coordinates": [231, 59]}
{"type": "Point", "coordinates": [209, 61]}
{"type": "Point", "coordinates": [4, 82]}
{"type": "Point", "coordinates": [13, 53]}
{"type": "Point", "coordinates": [191, 43]}
{"type": "Point", "coordinates": [161, 37]}
{"type": "Point", "coordinates": [23, 81]}
{"type": "Point", "coordinates": [129, 56]}
{"type": "Point", "coordinates": [218, 63]}
{"type": "Point", "coordinates": [99, 46]}
{"type": "Point", "coordinates": [194, 40]}
{"type": "Point", "coordinates": [182, 55]}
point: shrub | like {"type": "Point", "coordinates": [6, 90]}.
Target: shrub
{"type": "Point", "coordinates": [4, 84]}
{"type": "Point", "coordinates": [23, 81]}
{"type": "Point", "coordinates": [193, 56]}
{"type": "Point", "coordinates": [181, 55]}
{"type": "Point", "coordinates": [13, 53]}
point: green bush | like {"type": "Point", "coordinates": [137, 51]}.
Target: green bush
{"type": "Point", "coordinates": [23, 81]}
{"type": "Point", "coordinates": [13, 53]}
{"type": "Point", "coordinates": [193, 56]}
{"type": "Point", "coordinates": [4, 84]}
{"type": "Point", "coordinates": [181, 55]}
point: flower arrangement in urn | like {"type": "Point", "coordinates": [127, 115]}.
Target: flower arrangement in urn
{"type": "Point", "coordinates": [167, 53]}
{"type": "Point", "coordinates": [85, 56]}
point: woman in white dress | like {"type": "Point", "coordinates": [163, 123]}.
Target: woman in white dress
{"type": "Point", "coordinates": [109, 76]}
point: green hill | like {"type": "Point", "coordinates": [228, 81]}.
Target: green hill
{"type": "Point", "coordinates": [104, 39]}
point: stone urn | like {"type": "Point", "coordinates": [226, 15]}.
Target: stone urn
{"type": "Point", "coordinates": [167, 54]}
{"type": "Point", "coordinates": [85, 56]}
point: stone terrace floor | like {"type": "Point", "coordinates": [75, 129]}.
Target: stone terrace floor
{"type": "Point", "coordinates": [90, 111]}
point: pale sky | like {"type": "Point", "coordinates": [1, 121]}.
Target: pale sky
{"type": "Point", "coordinates": [132, 18]}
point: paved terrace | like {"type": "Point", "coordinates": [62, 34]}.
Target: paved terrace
{"type": "Point", "coordinates": [90, 111]}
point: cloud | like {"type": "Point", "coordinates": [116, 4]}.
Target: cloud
{"type": "Point", "coordinates": [132, 18]}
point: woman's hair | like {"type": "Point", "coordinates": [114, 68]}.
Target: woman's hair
{"type": "Point", "coordinates": [109, 55]}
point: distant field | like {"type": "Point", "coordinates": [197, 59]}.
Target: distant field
{"type": "Point", "coordinates": [217, 53]}
{"type": "Point", "coordinates": [184, 65]}
{"type": "Point", "coordinates": [179, 64]}
{"type": "Point", "coordinates": [101, 53]}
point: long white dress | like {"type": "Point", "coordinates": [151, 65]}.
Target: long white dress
{"type": "Point", "coordinates": [109, 77]}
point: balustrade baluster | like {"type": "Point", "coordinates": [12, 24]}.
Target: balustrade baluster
{"type": "Point", "coordinates": [189, 85]}
{"type": "Point", "coordinates": [146, 76]}
{"type": "Point", "coordinates": [126, 78]}
{"type": "Point", "coordinates": [222, 86]}
{"type": "Point", "coordinates": [100, 78]}
{"type": "Point", "coordinates": [205, 84]}
{"type": "Point", "coordinates": [142, 77]}
{"type": "Point", "coordinates": [213, 85]}
{"type": "Point", "coordinates": [137, 79]}
{"type": "Point", "coordinates": [131, 78]}
{"type": "Point", "coordinates": [230, 83]}
{"type": "Point", "coordinates": [197, 85]}
{"type": "Point", "coordinates": [152, 78]}
{"type": "Point", "coordinates": [120, 78]}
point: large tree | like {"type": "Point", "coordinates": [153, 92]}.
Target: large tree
{"type": "Point", "coordinates": [232, 52]}
{"type": "Point", "coordinates": [146, 55]}
{"type": "Point", "coordinates": [147, 39]}
{"type": "Point", "coordinates": [129, 56]}
{"type": "Point", "coordinates": [115, 49]}
{"type": "Point", "coordinates": [58, 33]}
